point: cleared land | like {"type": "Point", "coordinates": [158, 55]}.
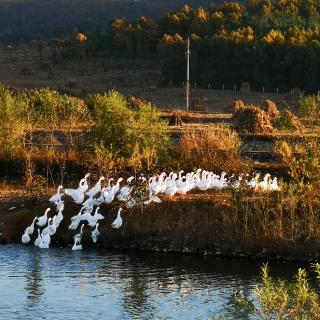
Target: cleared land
{"type": "Point", "coordinates": [21, 67]}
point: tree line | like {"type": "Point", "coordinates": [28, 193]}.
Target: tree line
{"type": "Point", "coordinates": [268, 43]}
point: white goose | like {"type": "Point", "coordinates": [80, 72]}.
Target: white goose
{"type": "Point", "coordinates": [171, 188]}
{"type": "Point", "coordinates": [85, 184]}
{"type": "Point", "coordinates": [131, 203]}
{"type": "Point", "coordinates": [117, 223]}
{"type": "Point", "coordinates": [92, 220]}
{"type": "Point", "coordinates": [53, 226]}
{"type": "Point", "coordinates": [47, 228]}
{"type": "Point", "coordinates": [273, 186]}
{"type": "Point", "coordinates": [263, 185]}
{"type": "Point", "coordinates": [95, 234]}
{"type": "Point", "coordinates": [116, 187]}
{"type": "Point", "coordinates": [152, 198]}
{"type": "Point", "coordinates": [42, 221]}
{"type": "Point", "coordinates": [76, 246]}
{"type": "Point", "coordinates": [56, 197]}
{"type": "Point", "coordinates": [108, 196]}
{"type": "Point", "coordinates": [88, 204]}
{"type": "Point", "coordinates": [100, 199]}
{"type": "Point", "coordinates": [59, 205]}
{"type": "Point", "coordinates": [25, 238]}
{"type": "Point", "coordinates": [45, 241]}
{"type": "Point", "coordinates": [77, 237]}
{"type": "Point", "coordinates": [125, 190]}
{"type": "Point", "coordinates": [31, 227]}
{"type": "Point", "coordinates": [37, 241]}
{"type": "Point", "coordinates": [59, 218]}
{"type": "Point", "coordinates": [75, 220]}
{"type": "Point", "coordinates": [94, 190]}
{"type": "Point", "coordinates": [77, 195]}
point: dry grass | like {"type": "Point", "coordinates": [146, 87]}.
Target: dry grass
{"type": "Point", "coordinates": [216, 148]}
{"type": "Point", "coordinates": [284, 224]}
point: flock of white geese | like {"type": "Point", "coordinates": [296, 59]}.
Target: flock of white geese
{"type": "Point", "coordinates": [90, 200]}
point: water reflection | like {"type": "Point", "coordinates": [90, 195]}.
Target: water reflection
{"type": "Point", "coordinates": [122, 285]}
{"type": "Point", "coordinates": [34, 282]}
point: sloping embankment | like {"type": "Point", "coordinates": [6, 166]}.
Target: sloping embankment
{"type": "Point", "coordinates": [196, 223]}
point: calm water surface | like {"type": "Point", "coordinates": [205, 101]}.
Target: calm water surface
{"type": "Point", "coordinates": [62, 284]}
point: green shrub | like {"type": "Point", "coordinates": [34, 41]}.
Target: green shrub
{"type": "Point", "coordinates": [139, 136]}
{"type": "Point", "coordinates": [294, 301]}
{"type": "Point", "coordinates": [14, 123]}
{"type": "Point", "coordinates": [48, 107]}
{"type": "Point", "coordinates": [309, 106]}
{"type": "Point", "coordinates": [303, 161]}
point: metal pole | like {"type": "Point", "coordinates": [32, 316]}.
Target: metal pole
{"type": "Point", "coordinates": [188, 73]}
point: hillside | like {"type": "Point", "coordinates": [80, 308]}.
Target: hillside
{"type": "Point", "coordinates": [26, 20]}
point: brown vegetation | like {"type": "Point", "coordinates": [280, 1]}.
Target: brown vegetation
{"type": "Point", "coordinates": [252, 119]}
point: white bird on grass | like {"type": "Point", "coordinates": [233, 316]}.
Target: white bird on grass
{"type": "Point", "coordinates": [94, 190]}
{"type": "Point", "coordinates": [125, 190]}
{"type": "Point", "coordinates": [152, 198]}
{"type": "Point", "coordinates": [25, 238]}
{"type": "Point", "coordinates": [88, 204]}
{"type": "Point", "coordinates": [100, 199]}
{"type": "Point", "coordinates": [42, 221]}
{"type": "Point", "coordinates": [92, 220]}
{"type": "Point", "coordinates": [45, 241]}
{"type": "Point", "coordinates": [85, 184]}
{"type": "Point", "coordinates": [77, 237]}
{"type": "Point", "coordinates": [75, 220]}
{"type": "Point", "coordinates": [76, 194]}
{"type": "Point", "coordinates": [117, 223]}
{"type": "Point", "coordinates": [95, 234]}
{"type": "Point", "coordinates": [38, 239]}
{"type": "Point", "coordinates": [31, 227]}
{"type": "Point", "coordinates": [56, 197]}
{"type": "Point", "coordinates": [76, 246]}
{"type": "Point", "coordinates": [59, 205]}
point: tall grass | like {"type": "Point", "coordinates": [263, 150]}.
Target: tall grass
{"type": "Point", "coordinates": [213, 148]}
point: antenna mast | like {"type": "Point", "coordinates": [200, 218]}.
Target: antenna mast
{"type": "Point", "coordinates": [188, 73]}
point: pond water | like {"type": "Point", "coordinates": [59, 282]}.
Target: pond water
{"type": "Point", "coordinates": [103, 284]}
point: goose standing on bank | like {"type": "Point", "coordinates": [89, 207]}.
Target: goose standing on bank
{"type": "Point", "coordinates": [125, 190]}
{"type": "Point", "coordinates": [95, 234]}
{"type": "Point", "coordinates": [77, 240]}
{"type": "Point", "coordinates": [37, 241]}
{"type": "Point", "coordinates": [42, 221]}
{"type": "Point", "coordinates": [45, 241]}
{"type": "Point", "coordinates": [92, 220]}
{"type": "Point", "coordinates": [31, 227]}
{"type": "Point", "coordinates": [117, 223]}
{"type": "Point", "coordinates": [56, 197]}
{"type": "Point", "coordinates": [77, 195]}
{"type": "Point", "coordinates": [97, 188]}
{"type": "Point", "coordinates": [85, 185]}
{"type": "Point", "coordinates": [78, 236]}
{"type": "Point", "coordinates": [25, 238]}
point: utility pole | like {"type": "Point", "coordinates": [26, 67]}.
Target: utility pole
{"type": "Point", "coordinates": [188, 73]}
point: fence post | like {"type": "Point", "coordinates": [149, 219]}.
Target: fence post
{"type": "Point", "coordinates": [209, 86]}
{"type": "Point", "coordinates": [195, 85]}
{"type": "Point", "coordinates": [223, 87]}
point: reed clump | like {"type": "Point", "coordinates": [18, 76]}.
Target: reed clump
{"type": "Point", "coordinates": [295, 300]}
{"type": "Point", "coordinates": [216, 149]}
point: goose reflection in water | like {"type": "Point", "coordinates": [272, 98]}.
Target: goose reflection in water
{"type": "Point", "coordinates": [34, 282]}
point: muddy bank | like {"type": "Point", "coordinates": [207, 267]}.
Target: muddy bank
{"type": "Point", "coordinates": [199, 223]}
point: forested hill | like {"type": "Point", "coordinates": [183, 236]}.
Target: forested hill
{"type": "Point", "coordinates": [25, 20]}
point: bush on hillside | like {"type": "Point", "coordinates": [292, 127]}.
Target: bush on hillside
{"type": "Point", "coordinates": [139, 136]}
{"type": "Point", "coordinates": [52, 109]}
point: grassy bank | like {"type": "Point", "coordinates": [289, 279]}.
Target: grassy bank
{"type": "Point", "coordinates": [275, 226]}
